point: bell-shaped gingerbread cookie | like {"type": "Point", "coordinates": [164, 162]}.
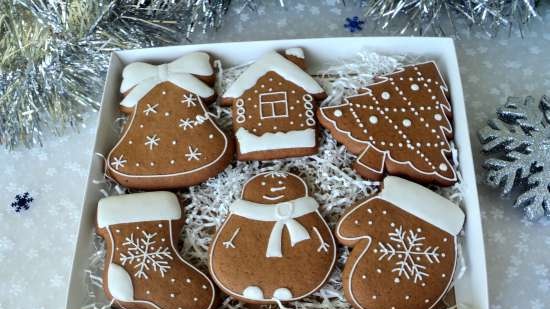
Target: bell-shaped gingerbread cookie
{"type": "Point", "coordinates": [143, 269]}
{"type": "Point", "coordinates": [170, 140]}
{"type": "Point", "coordinates": [274, 246]}
{"type": "Point", "coordinates": [404, 247]}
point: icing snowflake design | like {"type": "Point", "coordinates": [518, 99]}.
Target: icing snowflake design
{"type": "Point", "coordinates": [150, 109]}
{"type": "Point", "coordinates": [274, 174]}
{"type": "Point", "coordinates": [118, 162]}
{"type": "Point", "coordinates": [152, 141]}
{"type": "Point", "coordinates": [187, 123]}
{"type": "Point", "coordinates": [193, 154]}
{"type": "Point", "coordinates": [22, 202]}
{"type": "Point", "coordinates": [190, 100]}
{"type": "Point", "coordinates": [145, 256]}
{"type": "Point", "coordinates": [409, 250]}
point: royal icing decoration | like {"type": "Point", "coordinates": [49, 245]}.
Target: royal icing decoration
{"type": "Point", "coordinates": [407, 237]}
{"type": "Point", "coordinates": [398, 125]}
{"type": "Point", "coordinates": [144, 269]}
{"type": "Point", "coordinates": [253, 241]}
{"type": "Point", "coordinates": [274, 103]}
{"type": "Point", "coordinates": [171, 141]}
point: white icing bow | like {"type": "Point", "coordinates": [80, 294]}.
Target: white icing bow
{"type": "Point", "coordinates": [283, 214]}
{"type": "Point", "coordinates": [143, 77]}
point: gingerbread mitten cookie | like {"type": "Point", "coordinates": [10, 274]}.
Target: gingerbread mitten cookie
{"type": "Point", "coordinates": [404, 247]}
{"type": "Point", "coordinates": [273, 105]}
{"type": "Point", "coordinates": [399, 125]}
{"type": "Point", "coordinates": [171, 140]}
{"type": "Point", "coordinates": [274, 246]}
{"type": "Point", "coordinates": [143, 269]}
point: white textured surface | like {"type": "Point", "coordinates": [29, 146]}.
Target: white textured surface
{"type": "Point", "coordinates": [36, 245]}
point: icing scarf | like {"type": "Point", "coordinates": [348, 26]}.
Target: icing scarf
{"type": "Point", "coordinates": [283, 215]}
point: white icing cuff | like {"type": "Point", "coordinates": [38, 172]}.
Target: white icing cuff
{"type": "Point", "coordinates": [423, 203]}
{"type": "Point", "coordinates": [138, 207]}
{"type": "Point", "coordinates": [249, 142]}
{"type": "Point", "coordinates": [273, 61]}
{"type": "Point", "coordinates": [296, 52]}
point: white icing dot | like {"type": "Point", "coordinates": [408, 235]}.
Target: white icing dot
{"type": "Point", "coordinates": [370, 222]}
{"type": "Point", "coordinates": [364, 277]}
{"type": "Point", "coordinates": [141, 126]}
{"type": "Point", "coordinates": [443, 275]}
{"type": "Point", "coordinates": [407, 122]}
{"type": "Point", "coordinates": [443, 167]}
{"type": "Point", "coordinates": [378, 270]}
{"type": "Point", "coordinates": [130, 142]}
{"type": "Point", "coordinates": [204, 287]}
{"type": "Point", "coordinates": [195, 299]}
{"type": "Point", "coordinates": [164, 92]}
{"type": "Point", "coordinates": [356, 222]}
{"type": "Point", "coordinates": [385, 95]}
{"type": "Point", "coordinates": [373, 119]}
{"type": "Point", "coordinates": [407, 297]}
{"type": "Point", "coordinates": [173, 142]}
{"type": "Point", "coordinates": [172, 161]}
{"type": "Point", "coordinates": [147, 292]}
{"type": "Point", "coordinates": [117, 230]}
{"type": "Point", "coordinates": [414, 87]}
{"type": "Point", "coordinates": [137, 164]}
{"type": "Point", "coordinates": [160, 225]}
{"type": "Point", "coordinates": [419, 230]}
{"type": "Point", "coordinates": [188, 280]}
{"type": "Point", "coordinates": [211, 136]}
{"type": "Point", "coordinates": [396, 280]}
{"type": "Point", "coordinates": [426, 300]}
{"type": "Point", "coordinates": [167, 114]}
{"type": "Point", "coordinates": [423, 284]}
{"type": "Point", "coordinates": [373, 296]}
{"type": "Point", "coordinates": [384, 212]}
{"type": "Point", "coordinates": [163, 239]}
{"type": "Point", "coordinates": [337, 113]}
{"type": "Point", "coordinates": [152, 163]}
{"type": "Point", "coordinates": [172, 295]}
{"type": "Point", "coordinates": [263, 183]}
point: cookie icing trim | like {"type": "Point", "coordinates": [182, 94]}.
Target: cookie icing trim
{"type": "Point", "coordinates": [141, 77]}
{"type": "Point", "coordinates": [283, 214]}
{"type": "Point", "coordinates": [120, 283]}
{"type": "Point", "coordinates": [138, 207]}
{"type": "Point", "coordinates": [274, 62]}
{"type": "Point", "coordinates": [249, 142]}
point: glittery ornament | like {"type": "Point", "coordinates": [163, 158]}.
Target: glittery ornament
{"type": "Point", "coordinates": [519, 143]}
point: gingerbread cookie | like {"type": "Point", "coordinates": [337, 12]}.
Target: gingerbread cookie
{"type": "Point", "coordinates": [404, 247]}
{"type": "Point", "coordinates": [274, 246]}
{"type": "Point", "coordinates": [143, 269]}
{"type": "Point", "coordinates": [273, 106]}
{"type": "Point", "coordinates": [399, 125]}
{"type": "Point", "coordinates": [171, 140]}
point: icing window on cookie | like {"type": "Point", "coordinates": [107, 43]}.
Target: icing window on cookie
{"type": "Point", "coordinates": [273, 105]}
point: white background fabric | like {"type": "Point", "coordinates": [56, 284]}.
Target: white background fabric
{"type": "Point", "coordinates": [36, 245]}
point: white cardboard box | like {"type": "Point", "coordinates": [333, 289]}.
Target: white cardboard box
{"type": "Point", "coordinates": [471, 289]}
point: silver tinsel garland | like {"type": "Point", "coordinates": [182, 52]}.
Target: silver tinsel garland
{"type": "Point", "coordinates": [54, 52]}
{"type": "Point", "coordinates": [519, 140]}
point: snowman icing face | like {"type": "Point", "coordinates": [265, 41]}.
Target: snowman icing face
{"type": "Point", "coordinates": [273, 188]}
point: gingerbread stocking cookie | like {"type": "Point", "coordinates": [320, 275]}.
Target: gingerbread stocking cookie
{"type": "Point", "coordinates": [404, 247]}
{"type": "Point", "coordinates": [273, 105]}
{"type": "Point", "coordinates": [274, 246]}
{"type": "Point", "coordinates": [171, 140]}
{"type": "Point", "coordinates": [399, 125]}
{"type": "Point", "coordinates": [143, 269]}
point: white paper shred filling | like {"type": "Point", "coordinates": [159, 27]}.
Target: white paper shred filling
{"type": "Point", "coordinates": [329, 175]}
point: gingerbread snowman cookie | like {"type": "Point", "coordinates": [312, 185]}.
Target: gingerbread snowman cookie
{"type": "Point", "coordinates": [143, 269]}
{"type": "Point", "coordinates": [170, 140]}
{"type": "Point", "coordinates": [273, 106]}
{"type": "Point", "coordinates": [404, 247]}
{"type": "Point", "coordinates": [274, 246]}
{"type": "Point", "coordinates": [400, 126]}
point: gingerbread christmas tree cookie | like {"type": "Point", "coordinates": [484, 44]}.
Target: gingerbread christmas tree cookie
{"type": "Point", "coordinates": [143, 269]}
{"type": "Point", "coordinates": [274, 246]}
{"type": "Point", "coordinates": [170, 140]}
{"type": "Point", "coordinates": [404, 247]}
{"type": "Point", "coordinates": [399, 125]}
{"type": "Point", "coordinates": [273, 106]}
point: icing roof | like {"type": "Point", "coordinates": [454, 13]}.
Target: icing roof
{"type": "Point", "coordinates": [273, 61]}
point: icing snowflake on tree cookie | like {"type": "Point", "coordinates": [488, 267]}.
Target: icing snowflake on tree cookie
{"type": "Point", "coordinates": [399, 125]}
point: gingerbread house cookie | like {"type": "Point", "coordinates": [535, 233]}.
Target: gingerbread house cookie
{"type": "Point", "coordinates": [273, 106]}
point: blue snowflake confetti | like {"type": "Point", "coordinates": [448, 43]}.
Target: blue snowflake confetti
{"type": "Point", "coordinates": [353, 24]}
{"type": "Point", "coordinates": [22, 202]}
